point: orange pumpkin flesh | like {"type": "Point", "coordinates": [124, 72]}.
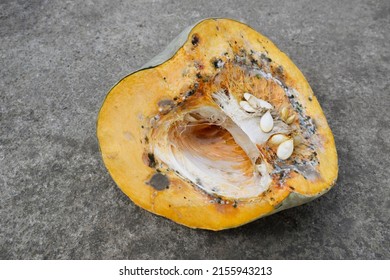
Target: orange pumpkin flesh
{"type": "Point", "coordinates": [172, 102]}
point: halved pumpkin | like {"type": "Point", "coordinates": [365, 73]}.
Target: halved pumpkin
{"type": "Point", "coordinates": [218, 130]}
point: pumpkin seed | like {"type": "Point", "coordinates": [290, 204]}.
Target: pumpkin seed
{"type": "Point", "coordinates": [257, 102]}
{"type": "Point", "coordinates": [277, 139]}
{"type": "Point", "coordinates": [245, 105]}
{"type": "Point", "coordinates": [266, 122]}
{"type": "Point", "coordinates": [284, 113]}
{"type": "Point", "coordinates": [290, 119]}
{"type": "Point", "coordinates": [285, 149]}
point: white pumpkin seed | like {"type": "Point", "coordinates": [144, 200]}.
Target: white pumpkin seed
{"type": "Point", "coordinates": [285, 149]}
{"type": "Point", "coordinates": [264, 104]}
{"type": "Point", "coordinates": [290, 119]}
{"type": "Point", "coordinates": [284, 113]}
{"type": "Point", "coordinates": [245, 105]}
{"type": "Point", "coordinates": [247, 96]}
{"type": "Point", "coordinates": [277, 139]}
{"type": "Point", "coordinates": [257, 102]}
{"type": "Point", "coordinates": [266, 122]}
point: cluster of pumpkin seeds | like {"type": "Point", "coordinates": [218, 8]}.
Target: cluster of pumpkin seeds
{"type": "Point", "coordinates": [252, 104]}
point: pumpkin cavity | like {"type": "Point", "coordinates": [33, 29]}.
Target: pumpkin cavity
{"type": "Point", "coordinates": [231, 139]}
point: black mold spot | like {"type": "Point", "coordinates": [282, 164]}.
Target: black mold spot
{"type": "Point", "coordinates": [152, 160]}
{"type": "Point", "coordinates": [146, 140]}
{"type": "Point", "coordinates": [218, 63]}
{"type": "Point", "coordinates": [195, 39]}
{"type": "Point", "coordinates": [226, 92]}
{"type": "Point", "coordinates": [266, 58]}
{"type": "Point", "coordinates": [198, 75]}
{"type": "Point", "coordinates": [159, 181]}
{"type": "Point", "coordinates": [235, 204]}
{"type": "Point", "coordinates": [189, 93]}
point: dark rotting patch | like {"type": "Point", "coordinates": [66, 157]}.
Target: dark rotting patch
{"type": "Point", "coordinates": [310, 99]}
{"type": "Point", "coordinates": [195, 39]}
{"type": "Point", "coordinates": [159, 181]}
{"type": "Point", "coordinates": [235, 204]}
{"type": "Point", "coordinates": [146, 140]}
{"type": "Point", "coordinates": [279, 70]}
{"type": "Point", "coordinates": [226, 92]}
{"type": "Point", "coordinates": [198, 75]}
{"type": "Point", "coordinates": [218, 63]}
{"type": "Point", "coordinates": [266, 58]}
{"type": "Point", "coordinates": [151, 160]}
{"type": "Point", "coordinates": [190, 93]}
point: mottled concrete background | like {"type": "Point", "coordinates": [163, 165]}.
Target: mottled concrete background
{"type": "Point", "coordinates": [59, 59]}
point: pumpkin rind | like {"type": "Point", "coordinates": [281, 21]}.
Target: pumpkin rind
{"type": "Point", "coordinates": [130, 104]}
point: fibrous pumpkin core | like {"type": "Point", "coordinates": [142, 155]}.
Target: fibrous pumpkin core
{"type": "Point", "coordinates": [209, 149]}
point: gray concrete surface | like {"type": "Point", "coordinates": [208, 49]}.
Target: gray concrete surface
{"type": "Point", "coordinates": [58, 60]}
